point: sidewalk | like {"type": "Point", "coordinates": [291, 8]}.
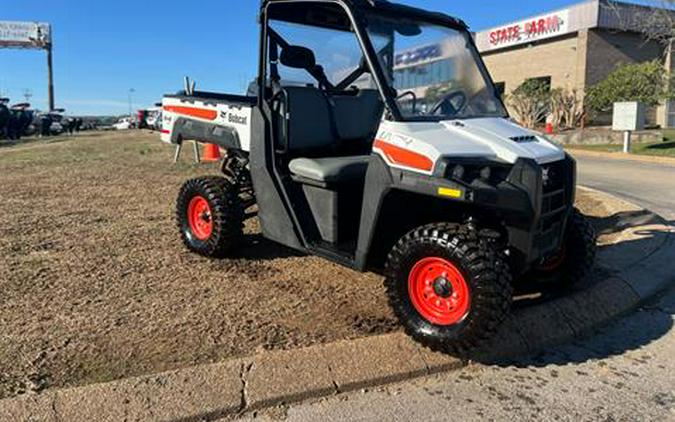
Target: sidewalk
{"type": "Point", "coordinates": [621, 156]}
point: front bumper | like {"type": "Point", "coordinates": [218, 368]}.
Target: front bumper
{"type": "Point", "coordinates": [534, 203]}
{"type": "Point", "coordinates": [529, 201]}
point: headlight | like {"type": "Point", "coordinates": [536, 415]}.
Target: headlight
{"type": "Point", "coordinates": [458, 172]}
{"type": "Point", "coordinates": [468, 172]}
{"type": "Point", "coordinates": [486, 174]}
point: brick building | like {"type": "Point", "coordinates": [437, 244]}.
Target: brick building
{"type": "Point", "coordinates": [573, 48]}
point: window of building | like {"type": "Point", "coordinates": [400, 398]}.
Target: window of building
{"type": "Point", "coordinates": [428, 74]}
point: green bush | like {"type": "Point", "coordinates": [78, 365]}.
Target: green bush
{"type": "Point", "coordinates": [644, 82]}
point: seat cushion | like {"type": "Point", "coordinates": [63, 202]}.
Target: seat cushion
{"type": "Point", "coordinates": [331, 170]}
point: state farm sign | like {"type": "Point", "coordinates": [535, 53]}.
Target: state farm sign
{"type": "Point", "coordinates": [530, 30]}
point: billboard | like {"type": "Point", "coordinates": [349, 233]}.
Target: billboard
{"type": "Point", "coordinates": [25, 34]}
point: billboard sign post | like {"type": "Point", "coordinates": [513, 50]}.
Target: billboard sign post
{"type": "Point", "coordinates": [30, 35]}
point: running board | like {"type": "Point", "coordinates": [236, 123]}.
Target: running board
{"type": "Point", "coordinates": [330, 253]}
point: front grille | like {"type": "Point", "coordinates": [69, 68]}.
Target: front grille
{"type": "Point", "coordinates": [554, 206]}
{"type": "Point", "coordinates": [554, 176]}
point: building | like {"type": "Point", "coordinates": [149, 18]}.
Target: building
{"type": "Point", "coordinates": [574, 48]}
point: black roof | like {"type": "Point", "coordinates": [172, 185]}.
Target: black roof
{"type": "Point", "coordinates": [386, 7]}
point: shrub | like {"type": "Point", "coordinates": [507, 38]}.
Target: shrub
{"type": "Point", "coordinates": [567, 109]}
{"type": "Point", "coordinates": [531, 102]}
{"type": "Point", "coordinates": [644, 82]}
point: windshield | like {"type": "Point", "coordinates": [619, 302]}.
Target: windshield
{"type": "Point", "coordinates": [434, 70]}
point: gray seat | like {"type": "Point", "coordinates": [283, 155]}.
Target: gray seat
{"type": "Point", "coordinates": [331, 170]}
{"type": "Point", "coordinates": [324, 125]}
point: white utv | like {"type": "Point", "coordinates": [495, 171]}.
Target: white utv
{"type": "Point", "coordinates": [376, 140]}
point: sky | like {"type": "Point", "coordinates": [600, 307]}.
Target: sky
{"type": "Point", "coordinates": [103, 49]}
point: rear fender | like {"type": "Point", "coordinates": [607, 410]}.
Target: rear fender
{"type": "Point", "coordinates": [223, 136]}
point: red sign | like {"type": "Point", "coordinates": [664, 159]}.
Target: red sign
{"type": "Point", "coordinates": [529, 30]}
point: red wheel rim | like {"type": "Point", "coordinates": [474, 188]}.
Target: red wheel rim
{"type": "Point", "coordinates": [555, 261]}
{"type": "Point", "coordinates": [439, 292]}
{"type": "Point", "coordinates": [199, 218]}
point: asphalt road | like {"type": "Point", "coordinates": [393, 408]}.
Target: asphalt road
{"type": "Point", "coordinates": [625, 372]}
{"type": "Point", "coordinates": [651, 185]}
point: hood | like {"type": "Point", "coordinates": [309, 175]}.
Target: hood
{"type": "Point", "coordinates": [505, 139]}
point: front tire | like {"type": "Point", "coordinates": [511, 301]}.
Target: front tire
{"type": "Point", "coordinates": [450, 288]}
{"type": "Point", "coordinates": [210, 216]}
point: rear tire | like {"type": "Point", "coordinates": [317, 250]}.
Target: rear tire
{"type": "Point", "coordinates": [210, 216]}
{"type": "Point", "coordinates": [459, 315]}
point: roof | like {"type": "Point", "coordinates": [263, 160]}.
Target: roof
{"type": "Point", "coordinates": [393, 9]}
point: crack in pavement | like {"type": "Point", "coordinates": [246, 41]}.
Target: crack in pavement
{"type": "Point", "coordinates": [658, 309]}
{"type": "Point", "coordinates": [335, 384]}
{"type": "Point", "coordinates": [243, 377]}
{"type": "Point", "coordinates": [57, 417]}
{"type": "Point", "coordinates": [576, 331]}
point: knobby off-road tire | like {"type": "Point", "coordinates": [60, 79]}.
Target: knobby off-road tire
{"type": "Point", "coordinates": [210, 216]}
{"type": "Point", "coordinates": [478, 277]}
{"type": "Point", "coordinates": [573, 264]}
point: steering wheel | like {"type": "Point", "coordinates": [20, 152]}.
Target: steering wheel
{"type": "Point", "coordinates": [413, 96]}
{"type": "Point", "coordinates": [450, 104]}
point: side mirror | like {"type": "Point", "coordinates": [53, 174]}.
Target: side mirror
{"type": "Point", "coordinates": [297, 57]}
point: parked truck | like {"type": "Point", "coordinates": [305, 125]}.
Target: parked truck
{"type": "Point", "coordinates": [340, 157]}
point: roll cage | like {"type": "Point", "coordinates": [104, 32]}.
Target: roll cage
{"type": "Point", "coordinates": [322, 13]}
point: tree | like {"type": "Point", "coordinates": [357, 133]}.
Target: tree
{"type": "Point", "coordinates": [647, 82]}
{"type": "Point", "coordinates": [531, 102]}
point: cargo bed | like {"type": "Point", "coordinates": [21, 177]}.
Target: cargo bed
{"type": "Point", "coordinates": [221, 119]}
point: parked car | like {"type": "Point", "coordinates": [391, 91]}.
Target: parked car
{"type": "Point", "coordinates": [124, 123]}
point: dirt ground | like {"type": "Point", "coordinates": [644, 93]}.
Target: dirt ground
{"type": "Point", "coordinates": [95, 284]}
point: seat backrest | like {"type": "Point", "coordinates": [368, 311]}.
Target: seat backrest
{"type": "Point", "coordinates": [318, 122]}
{"type": "Point", "coordinates": [358, 116]}
{"type": "Point", "coordinates": [309, 124]}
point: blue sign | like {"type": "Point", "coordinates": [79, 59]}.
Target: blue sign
{"type": "Point", "coordinates": [418, 55]}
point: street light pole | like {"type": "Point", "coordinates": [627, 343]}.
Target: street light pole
{"type": "Point", "coordinates": [131, 91]}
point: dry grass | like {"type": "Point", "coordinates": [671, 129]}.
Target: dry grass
{"type": "Point", "coordinates": [95, 284]}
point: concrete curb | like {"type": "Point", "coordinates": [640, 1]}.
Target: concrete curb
{"type": "Point", "coordinates": [209, 392]}
{"type": "Point", "coordinates": [620, 156]}
{"type": "Point", "coordinates": [212, 391]}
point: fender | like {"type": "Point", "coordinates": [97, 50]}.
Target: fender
{"type": "Point", "coordinates": [223, 136]}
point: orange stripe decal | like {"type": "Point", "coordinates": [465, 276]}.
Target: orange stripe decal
{"type": "Point", "coordinates": [403, 157]}
{"type": "Point", "coordinates": [200, 113]}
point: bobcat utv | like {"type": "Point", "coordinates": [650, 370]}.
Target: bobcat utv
{"type": "Point", "coordinates": [375, 139]}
